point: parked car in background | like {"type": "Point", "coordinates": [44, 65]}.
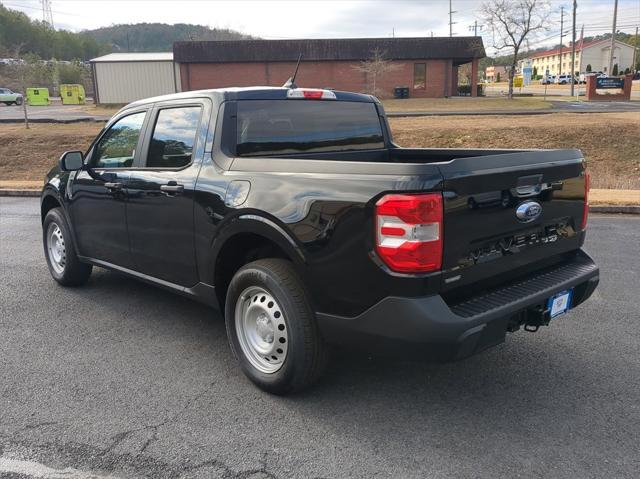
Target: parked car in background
{"type": "Point", "coordinates": [294, 212]}
{"type": "Point", "coordinates": [547, 80]}
{"type": "Point", "coordinates": [9, 97]}
{"type": "Point", "coordinates": [564, 79]}
{"type": "Point", "coordinates": [583, 76]}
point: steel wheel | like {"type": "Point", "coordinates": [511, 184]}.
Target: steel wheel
{"type": "Point", "coordinates": [261, 329]}
{"type": "Point", "coordinates": [56, 248]}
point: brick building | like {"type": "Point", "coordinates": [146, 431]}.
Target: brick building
{"type": "Point", "coordinates": [428, 66]}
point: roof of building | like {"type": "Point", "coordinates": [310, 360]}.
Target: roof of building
{"type": "Point", "coordinates": [230, 51]}
{"type": "Point", "coordinates": [248, 93]}
{"type": "Point", "coordinates": [567, 49]}
{"type": "Point", "coordinates": [134, 57]}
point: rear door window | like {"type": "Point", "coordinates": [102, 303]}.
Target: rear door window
{"type": "Point", "coordinates": [271, 127]}
{"type": "Point", "coordinates": [174, 136]}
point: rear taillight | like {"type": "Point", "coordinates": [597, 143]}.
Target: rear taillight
{"type": "Point", "coordinates": [585, 213]}
{"type": "Point", "coordinates": [409, 232]}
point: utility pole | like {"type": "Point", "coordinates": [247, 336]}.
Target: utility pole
{"type": "Point", "coordinates": [573, 47]}
{"type": "Point", "coordinates": [561, 35]}
{"type": "Point", "coordinates": [613, 37]}
{"type": "Point", "coordinates": [474, 28]}
{"type": "Point", "coordinates": [47, 14]}
{"type": "Point", "coordinates": [451, 22]}
{"type": "Point", "coordinates": [635, 53]}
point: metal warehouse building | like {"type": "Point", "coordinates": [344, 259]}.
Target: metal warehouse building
{"type": "Point", "coordinates": [428, 67]}
{"type": "Point", "coordinates": [126, 77]}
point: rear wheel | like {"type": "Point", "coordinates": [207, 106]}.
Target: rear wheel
{"type": "Point", "coordinates": [272, 328]}
{"type": "Point", "coordinates": [60, 252]}
{"type": "Point", "coordinates": [18, 101]}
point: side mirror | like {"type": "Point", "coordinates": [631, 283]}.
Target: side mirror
{"type": "Point", "coordinates": [71, 161]}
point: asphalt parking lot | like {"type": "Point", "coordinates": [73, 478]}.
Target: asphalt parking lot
{"type": "Point", "coordinates": [119, 379]}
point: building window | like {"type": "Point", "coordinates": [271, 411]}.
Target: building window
{"type": "Point", "coordinates": [419, 76]}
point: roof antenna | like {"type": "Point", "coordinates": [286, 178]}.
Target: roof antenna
{"type": "Point", "coordinates": [291, 82]}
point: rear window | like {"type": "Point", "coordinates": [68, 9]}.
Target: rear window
{"type": "Point", "coordinates": [267, 127]}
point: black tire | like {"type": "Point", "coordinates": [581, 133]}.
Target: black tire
{"type": "Point", "coordinates": [72, 272]}
{"type": "Point", "coordinates": [18, 101]}
{"type": "Point", "coordinates": [307, 353]}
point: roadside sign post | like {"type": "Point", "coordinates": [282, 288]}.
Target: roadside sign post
{"type": "Point", "coordinates": [546, 81]}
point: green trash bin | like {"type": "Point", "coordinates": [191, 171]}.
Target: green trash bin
{"type": "Point", "coordinates": [38, 96]}
{"type": "Point", "coordinates": [72, 94]}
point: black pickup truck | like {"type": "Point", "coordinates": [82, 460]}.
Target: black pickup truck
{"type": "Point", "coordinates": [293, 212]}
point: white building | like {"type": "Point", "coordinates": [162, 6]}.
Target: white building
{"type": "Point", "coordinates": [595, 54]}
{"type": "Point", "coordinates": [125, 77]}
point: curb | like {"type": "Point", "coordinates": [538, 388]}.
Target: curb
{"type": "Point", "coordinates": [16, 192]}
{"type": "Point", "coordinates": [551, 111]}
{"type": "Point", "coordinates": [611, 209]}
{"type": "Point", "coordinates": [616, 209]}
{"type": "Point", "coordinates": [53, 120]}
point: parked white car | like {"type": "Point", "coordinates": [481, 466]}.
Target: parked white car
{"type": "Point", "coordinates": [10, 98]}
{"type": "Point", "coordinates": [563, 79]}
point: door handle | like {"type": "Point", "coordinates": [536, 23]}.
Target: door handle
{"type": "Point", "coordinates": [172, 188]}
{"type": "Point", "coordinates": [113, 186]}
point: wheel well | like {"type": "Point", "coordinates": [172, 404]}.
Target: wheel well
{"type": "Point", "coordinates": [48, 203]}
{"type": "Point", "coordinates": [237, 251]}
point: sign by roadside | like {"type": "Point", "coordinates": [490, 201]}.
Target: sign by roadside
{"type": "Point", "coordinates": [517, 82]}
{"type": "Point", "coordinates": [610, 82]}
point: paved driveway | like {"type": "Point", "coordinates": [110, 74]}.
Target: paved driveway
{"type": "Point", "coordinates": [120, 379]}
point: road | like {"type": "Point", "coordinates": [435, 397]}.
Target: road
{"type": "Point", "coordinates": [119, 379]}
{"type": "Point", "coordinates": [538, 90]}
{"type": "Point", "coordinates": [56, 112]}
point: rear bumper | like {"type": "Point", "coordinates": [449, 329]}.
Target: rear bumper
{"type": "Point", "coordinates": [431, 328]}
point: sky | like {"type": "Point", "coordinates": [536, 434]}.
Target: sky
{"type": "Point", "coordinates": [327, 19]}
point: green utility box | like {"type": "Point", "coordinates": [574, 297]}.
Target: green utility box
{"type": "Point", "coordinates": [72, 94]}
{"type": "Point", "coordinates": [38, 96]}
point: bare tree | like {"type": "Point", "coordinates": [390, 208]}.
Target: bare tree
{"type": "Point", "coordinates": [374, 69]}
{"type": "Point", "coordinates": [511, 22]}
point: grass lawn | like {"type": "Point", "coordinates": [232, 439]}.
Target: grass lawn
{"type": "Point", "coordinates": [466, 104]}
{"type": "Point", "coordinates": [608, 140]}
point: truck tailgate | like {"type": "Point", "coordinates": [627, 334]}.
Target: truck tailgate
{"type": "Point", "coordinates": [510, 212]}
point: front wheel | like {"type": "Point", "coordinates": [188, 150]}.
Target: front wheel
{"type": "Point", "coordinates": [18, 101]}
{"type": "Point", "coordinates": [60, 252]}
{"type": "Point", "coordinates": [272, 328]}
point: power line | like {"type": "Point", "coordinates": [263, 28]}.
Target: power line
{"type": "Point", "coordinates": [29, 7]}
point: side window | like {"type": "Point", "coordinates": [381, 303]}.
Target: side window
{"type": "Point", "coordinates": [117, 147]}
{"type": "Point", "coordinates": [174, 136]}
{"type": "Point", "coordinates": [419, 76]}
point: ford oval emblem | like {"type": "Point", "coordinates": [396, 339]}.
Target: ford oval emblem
{"type": "Point", "coordinates": [528, 211]}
